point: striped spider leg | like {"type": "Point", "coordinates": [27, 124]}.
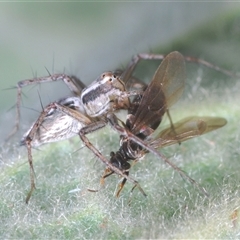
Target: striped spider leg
{"type": "Point", "coordinates": [73, 83]}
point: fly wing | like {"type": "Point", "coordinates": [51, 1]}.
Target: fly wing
{"type": "Point", "coordinates": [186, 129]}
{"type": "Point", "coordinates": [163, 91]}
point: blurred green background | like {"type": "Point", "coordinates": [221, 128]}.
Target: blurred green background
{"type": "Point", "coordinates": [86, 39]}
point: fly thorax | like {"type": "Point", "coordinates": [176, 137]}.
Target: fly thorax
{"type": "Point", "coordinates": [104, 95]}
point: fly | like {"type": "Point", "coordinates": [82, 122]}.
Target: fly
{"type": "Point", "coordinates": [145, 115]}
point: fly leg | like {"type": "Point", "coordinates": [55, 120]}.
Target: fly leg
{"type": "Point", "coordinates": [172, 125]}
{"type": "Point", "coordinates": [108, 173]}
{"type": "Point", "coordinates": [124, 132]}
{"type": "Point", "coordinates": [121, 185]}
{"type": "Point", "coordinates": [89, 145]}
{"type": "Point", "coordinates": [121, 164]}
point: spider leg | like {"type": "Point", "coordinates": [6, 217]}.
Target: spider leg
{"type": "Point", "coordinates": [73, 83]}
{"type": "Point", "coordinates": [29, 138]}
{"type": "Point", "coordinates": [89, 145]}
{"type": "Point", "coordinates": [126, 75]}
